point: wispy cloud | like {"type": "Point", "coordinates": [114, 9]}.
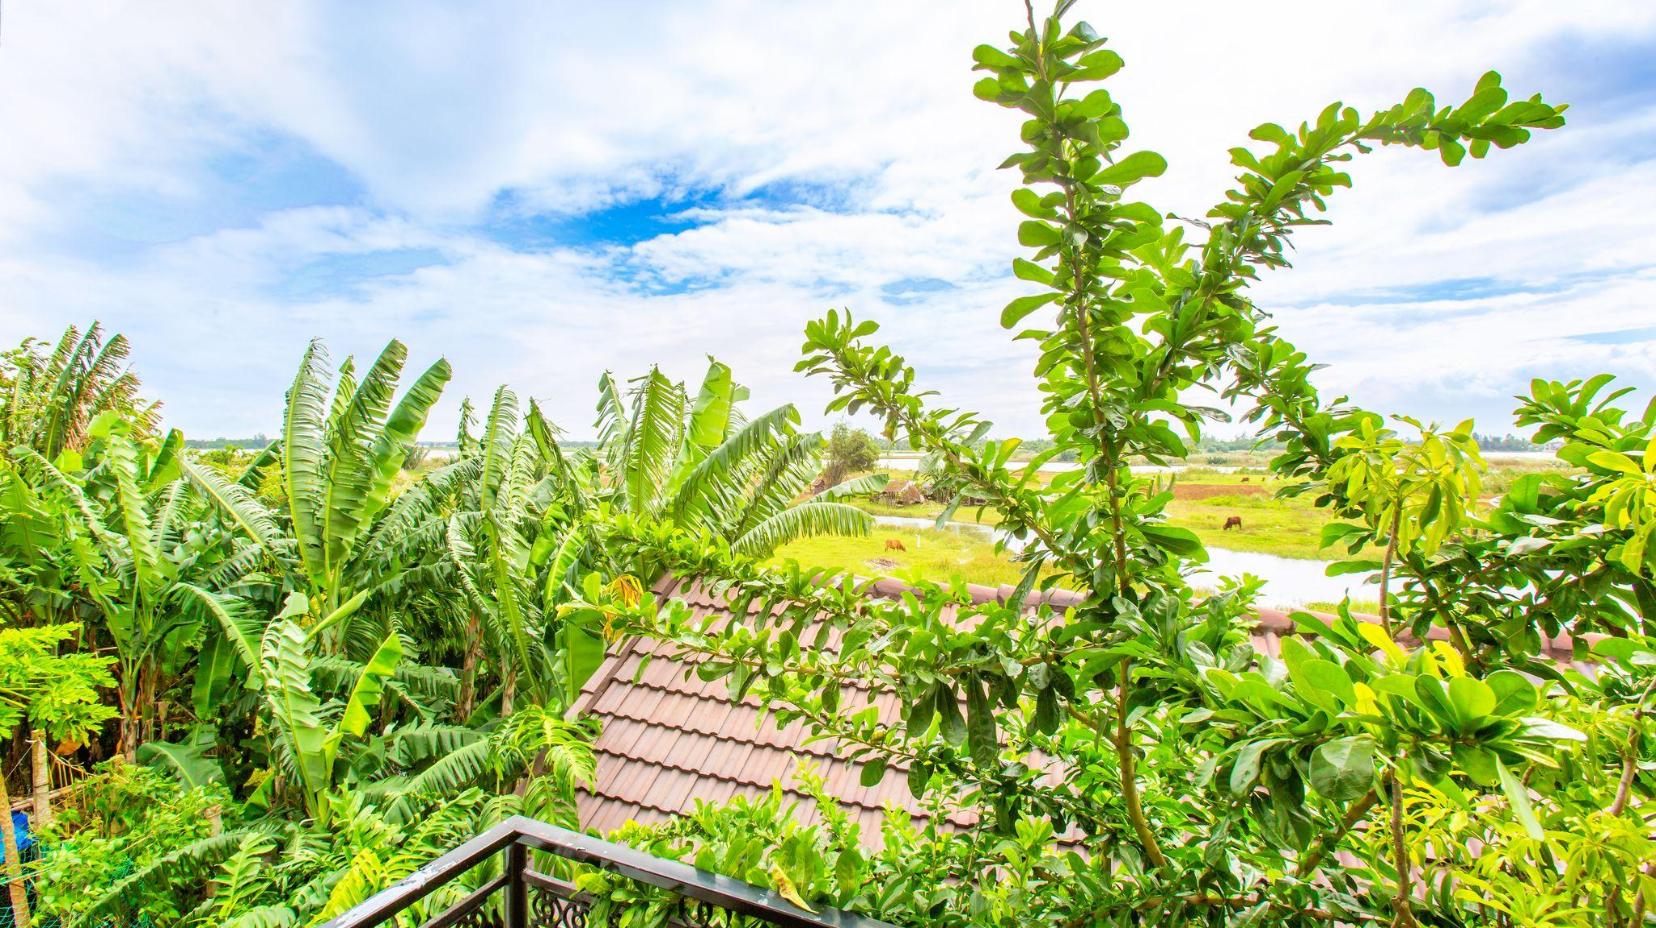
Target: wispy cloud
{"type": "Point", "coordinates": [543, 191]}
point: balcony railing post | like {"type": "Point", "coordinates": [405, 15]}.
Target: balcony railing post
{"type": "Point", "coordinates": [561, 903]}
{"type": "Point", "coordinates": [517, 898]}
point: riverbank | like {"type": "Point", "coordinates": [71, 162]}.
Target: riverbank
{"type": "Point", "coordinates": [908, 548]}
{"type": "Point", "coordinates": [1279, 538]}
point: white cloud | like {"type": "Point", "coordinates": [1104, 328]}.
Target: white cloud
{"type": "Point", "coordinates": [438, 112]}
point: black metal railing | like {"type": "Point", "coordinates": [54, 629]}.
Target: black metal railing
{"type": "Point", "coordinates": [516, 895]}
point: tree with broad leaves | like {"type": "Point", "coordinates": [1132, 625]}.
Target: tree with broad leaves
{"type": "Point", "coordinates": [1340, 781]}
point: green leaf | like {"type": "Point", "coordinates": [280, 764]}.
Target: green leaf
{"type": "Point", "coordinates": [1016, 310]}
{"type": "Point", "coordinates": [1324, 684]}
{"type": "Point", "coordinates": [583, 652]}
{"type": "Point", "coordinates": [303, 452]}
{"type": "Point", "coordinates": [1343, 769]}
{"type": "Point", "coordinates": [873, 772]}
{"type": "Point", "coordinates": [1245, 772]}
{"type": "Point", "coordinates": [1028, 202]}
{"type": "Point", "coordinates": [1094, 104]}
{"type": "Point", "coordinates": [1030, 271]}
{"type": "Point", "coordinates": [1518, 798]}
{"type": "Point", "coordinates": [1096, 66]}
{"type": "Point", "coordinates": [1614, 461]}
{"type": "Point", "coordinates": [1535, 727]}
{"type": "Point", "coordinates": [1472, 699]}
{"type": "Point", "coordinates": [1046, 711]}
{"type": "Point", "coordinates": [920, 714]}
{"type": "Point", "coordinates": [919, 774]}
{"type": "Point", "coordinates": [1132, 169]}
{"type": "Point", "coordinates": [950, 722]}
{"type": "Point", "coordinates": [980, 725]}
{"type": "Point", "coordinates": [1514, 693]}
{"type": "Point", "coordinates": [188, 763]}
{"type": "Point", "coordinates": [1180, 541]}
{"type": "Point", "coordinates": [710, 417]}
{"type": "Point", "coordinates": [1034, 233]}
{"type": "Point", "coordinates": [1338, 568]}
{"type": "Point", "coordinates": [345, 611]}
{"type": "Point", "coordinates": [1478, 762]}
{"type": "Point", "coordinates": [370, 687]}
{"type": "Point", "coordinates": [990, 56]}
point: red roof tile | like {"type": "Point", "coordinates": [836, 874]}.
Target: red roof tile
{"type": "Point", "coordinates": [670, 738]}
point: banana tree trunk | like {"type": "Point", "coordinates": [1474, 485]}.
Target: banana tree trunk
{"type": "Point", "coordinates": [14, 861]}
{"type": "Point", "coordinates": [468, 668]}
{"type": "Point", "coordinates": [215, 827]}
{"type": "Point", "coordinates": [507, 692]}
{"type": "Point", "coordinates": [127, 742]}
{"type": "Point", "coordinates": [147, 685]}
{"type": "Point", "coordinates": [42, 780]}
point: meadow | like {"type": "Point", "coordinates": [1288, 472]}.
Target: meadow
{"type": "Point", "coordinates": [1236, 484]}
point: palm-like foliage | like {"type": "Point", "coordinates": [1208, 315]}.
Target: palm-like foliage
{"type": "Point", "coordinates": [338, 458]}
{"type": "Point", "coordinates": [124, 511]}
{"type": "Point", "coordinates": [703, 466]}
{"type": "Point", "coordinates": [310, 735]}
{"type": "Point", "coordinates": [49, 400]}
{"type": "Point", "coordinates": [515, 541]}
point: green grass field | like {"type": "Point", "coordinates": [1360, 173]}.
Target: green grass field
{"type": "Point", "coordinates": [936, 554]}
{"type": "Point", "coordinates": [1286, 528]}
{"type": "Point", "coordinates": [1204, 500]}
{"type": "Point", "coordinates": [1283, 527]}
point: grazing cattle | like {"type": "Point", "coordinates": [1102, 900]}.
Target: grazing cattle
{"type": "Point", "coordinates": [1233, 522]}
{"type": "Point", "coordinates": [1244, 480]}
{"type": "Point", "coordinates": [895, 544]}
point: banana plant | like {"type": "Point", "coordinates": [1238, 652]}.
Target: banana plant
{"type": "Point", "coordinates": [339, 459]}
{"type": "Point", "coordinates": [138, 551]}
{"type": "Point", "coordinates": [513, 542]}
{"type": "Point", "coordinates": [280, 661]}
{"type": "Point", "coordinates": [48, 401]}
{"type": "Point", "coordinates": [704, 466]}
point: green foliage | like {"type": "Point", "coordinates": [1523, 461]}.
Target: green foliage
{"type": "Point", "coordinates": [48, 400]}
{"type": "Point", "coordinates": [707, 468]}
{"type": "Point", "coordinates": [850, 451]}
{"type": "Point", "coordinates": [362, 665]}
{"type": "Point", "coordinates": [1349, 779]}
{"type": "Point", "coordinates": [51, 692]}
{"type": "Point", "coordinates": [124, 819]}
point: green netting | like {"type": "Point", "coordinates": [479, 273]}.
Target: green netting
{"type": "Point", "coordinates": [9, 920]}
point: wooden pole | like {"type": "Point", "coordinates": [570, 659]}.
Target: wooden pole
{"type": "Point", "coordinates": [14, 861]}
{"type": "Point", "coordinates": [42, 758]}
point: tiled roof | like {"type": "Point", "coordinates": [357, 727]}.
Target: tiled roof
{"type": "Point", "coordinates": [670, 738]}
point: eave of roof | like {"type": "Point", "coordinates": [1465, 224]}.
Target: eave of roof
{"type": "Point", "coordinates": [670, 739]}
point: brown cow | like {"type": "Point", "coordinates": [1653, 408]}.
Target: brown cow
{"type": "Point", "coordinates": [1233, 522]}
{"type": "Point", "coordinates": [895, 544]}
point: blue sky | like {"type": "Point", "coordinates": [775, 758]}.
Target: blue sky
{"type": "Point", "coordinates": [543, 191]}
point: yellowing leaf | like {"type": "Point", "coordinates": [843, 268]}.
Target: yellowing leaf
{"type": "Point", "coordinates": [786, 889]}
{"type": "Point", "coordinates": [1377, 636]}
{"type": "Point", "coordinates": [1366, 703]}
{"type": "Point", "coordinates": [1449, 658]}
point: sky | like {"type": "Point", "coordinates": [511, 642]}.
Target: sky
{"type": "Point", "coordinates": [542, 191]}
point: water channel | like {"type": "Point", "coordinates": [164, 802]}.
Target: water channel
{"type": "Point", "coordinates": [1288, 581]}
